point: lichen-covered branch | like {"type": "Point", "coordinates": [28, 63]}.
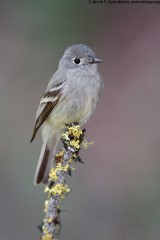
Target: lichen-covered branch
{"type": "Point", "coordinates": [57, 187]}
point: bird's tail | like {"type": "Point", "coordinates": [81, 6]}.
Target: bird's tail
{"type": "Point", "coordinates": [44, 163]}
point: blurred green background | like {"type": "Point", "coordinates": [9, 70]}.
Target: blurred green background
{"type": "Point", "coordinates": [116, 193]}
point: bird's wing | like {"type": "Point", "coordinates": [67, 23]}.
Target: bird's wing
{"type": "Point", "coordinates": [48, 102]}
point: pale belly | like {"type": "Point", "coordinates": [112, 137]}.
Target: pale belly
{"type": "Point", "coordinates": [69, 111]}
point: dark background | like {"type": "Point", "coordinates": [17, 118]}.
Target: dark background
{"type": "Point", "coordinates": [116, 193]}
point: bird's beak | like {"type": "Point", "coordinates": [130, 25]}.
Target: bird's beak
{"type": "Point", "coordinates": [95, 60]}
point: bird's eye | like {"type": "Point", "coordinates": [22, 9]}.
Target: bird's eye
{"type": "Point", "coordinates": [76, 60]}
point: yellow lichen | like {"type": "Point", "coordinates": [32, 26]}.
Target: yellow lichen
{"type": "Point", "coordinates": [50, 220]}
{"type": "Point", "coordinates": [58, 189]}
{"type": "Point", "coordinates": [60, 154]}
{"type": "Point", "coordinates": [53, 175]}
{"type": "Point", "coordinates": [66, 188]}
{"type": "Point", "coordinates": [65, 136]}
{"type": "Point", "coordinates": [60, 167]}
{"type": "Point", "coordinates": [46, 189]}
{"type": "Point", "coordinates": [53, 172]}
{"type": "Point", "coordinates": [74, 131]}
{"type": "Point", "coordinates": [86, 144]}
{"type": "Point", "coordinates": [75, 143]}
{"type": "Point", "coordinates": [46, 206]}
{"type": "Point", "coordinates": [48, 236]}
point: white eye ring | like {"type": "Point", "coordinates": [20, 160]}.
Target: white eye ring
{"type": "Point", "coordinates": [76, 60]}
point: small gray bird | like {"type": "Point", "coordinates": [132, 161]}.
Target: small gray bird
{"type": "Point", "coordinates": [72, 95]}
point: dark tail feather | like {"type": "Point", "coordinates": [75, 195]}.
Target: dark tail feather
{"type": "Point", "coordinates": [34, 134]}
{"type": "Point", "coordinates": [42, 166]}
{"type": "Point", "coordinates": [48, 168]}
{"type": "Point", "coordinates": [45, 161]}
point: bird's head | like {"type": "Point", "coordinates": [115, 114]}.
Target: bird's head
{"type": "Point", "coordinates": [78, 57]}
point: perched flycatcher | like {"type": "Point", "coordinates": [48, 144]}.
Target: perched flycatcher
{"type": "Point", "coordinates": [72, 95]}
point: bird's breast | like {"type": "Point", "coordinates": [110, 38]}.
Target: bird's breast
{"type": "Point", "coordinates": [79, 101]}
